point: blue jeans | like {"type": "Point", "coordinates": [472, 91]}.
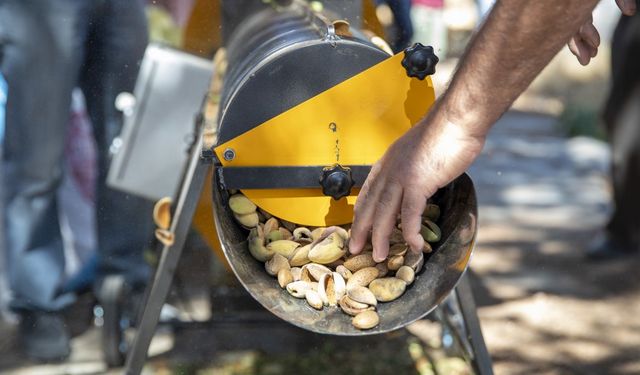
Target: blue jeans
{"type": "Point", "coordinates": [401, 10]}
{"type": "Point", "coordinates": [50, 47]}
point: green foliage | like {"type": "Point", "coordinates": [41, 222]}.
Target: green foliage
{"type": "Point", "coordinates": [330, 359]}
{"type": "Point", "coordinates": [162, 27]}
{"type": "Point", "coordinates": [580, 120]}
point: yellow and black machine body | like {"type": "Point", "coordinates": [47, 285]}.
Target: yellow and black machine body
{"type": "Point", "coordinates": [306, 108]}
{"type": "Point", "coordinates": [302, 103]}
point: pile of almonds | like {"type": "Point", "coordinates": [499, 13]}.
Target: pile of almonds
{"type": "Point", "coordinates": [315, 264]}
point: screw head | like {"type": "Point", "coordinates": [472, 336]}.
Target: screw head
{"type": "Point", "coordinates": [229, 154]}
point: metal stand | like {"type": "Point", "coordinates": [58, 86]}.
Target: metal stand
{"type": "Point", "coordinates": [459, 318]}
{"type": "Point", "coordinates": [457, 313]}
{"type": "Point", "coordinates": [190, 189]}
{"type": "Point", "coordinates": [481, 359]}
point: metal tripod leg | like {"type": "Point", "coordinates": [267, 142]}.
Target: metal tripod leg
{"type": "Point", "coordinates": [481, 360]}
{"type": "Point", "coordinates": [458, 314]}
{"type": "Point", "coordinates": [190, 190]}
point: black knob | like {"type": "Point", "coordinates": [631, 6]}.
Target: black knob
{"type": "Point", "coordinates": [336, 181]}
{"type": "Point", "coordinates": [420, 61]}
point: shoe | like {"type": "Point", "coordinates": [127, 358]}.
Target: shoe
{"type": "Point", "coordinates": [606, 247]}
{"type": "Point", "coordinates": [44, 336]}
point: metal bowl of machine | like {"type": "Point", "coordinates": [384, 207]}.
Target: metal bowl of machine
{"type": "Point", "coordinates": [300, 101]}
{"type": "Point", "coordinates": [442, 269]}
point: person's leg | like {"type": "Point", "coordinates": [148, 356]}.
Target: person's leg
{"type": "Point", "coordinates": [624, 133]}
{"type": "Point", "coordinates": [621, 117]}
{"type": "Point", "coordinates": [40, 62]}
{"type": "Point", "coordinates": [115, 49]}
{"type": "Point", "coordinates": [402, 14]}
{"type": "Point", "coordinates": [624, 226]}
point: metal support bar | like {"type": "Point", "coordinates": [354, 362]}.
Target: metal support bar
{"type": "Point", "coordinates": [192, 185]}
{"type": "Point", "coordinates": [481, 361]}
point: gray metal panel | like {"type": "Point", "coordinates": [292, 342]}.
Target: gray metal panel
{"type": "Point", "coordinates": [290, 77]}
{"type": "Point", "coordinates": [169, 93]}
{"type": "Point", "coordinates": [281, 58]}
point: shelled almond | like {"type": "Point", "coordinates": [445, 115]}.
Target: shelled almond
{"type": "Point", "coordinates": [315, 264]}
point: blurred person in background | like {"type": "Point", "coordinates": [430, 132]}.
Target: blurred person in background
{"type": "Point", "coordinates": [429, 25]}
{"type": "Point", "coordinates": [52, 46]}
{"type": "Point", "coordinates": [401, 10]}
{"type": "Point", "coordinates": [621, 236]}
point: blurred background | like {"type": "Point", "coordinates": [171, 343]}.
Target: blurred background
{"type": "Point", "coordinates": [544, 195]}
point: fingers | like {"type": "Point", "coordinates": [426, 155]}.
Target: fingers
{"type": "Point", "coordinates": [573, 48]}
{"type": "Point", "coordinates": [590, 35]}
{"type": "Point", "coordinates": [583, 51]}
{"type": "Point", "coordinates": [364, 211]}
{"type": "Point", "coordinates": [584, 44]}
{"type": "Point", "coordinates": [580, 51]}
{"type": "Point", "coordinates": [386, 209]}
{"type": "Point", "coordinates": [628, 7]}
{"type": "Point", "coordinates": [413, 205]}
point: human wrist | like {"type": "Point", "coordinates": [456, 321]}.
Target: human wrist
{"type": "Point", "coordinates": [466, 114]}
{"type": "Point", "coordinates": [439, 135]}
{"type": "Point", "coordinates": [447, 120]}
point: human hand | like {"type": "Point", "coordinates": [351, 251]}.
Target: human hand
{"type": "Point", "coordinates": [428, 157]}
{"type": "Point", "coordinates": [627, 7]}
{"type": "Point", "coordinates": [585, 42]}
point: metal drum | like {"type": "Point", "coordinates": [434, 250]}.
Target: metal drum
{"type": "Point", "coordinates": [279, 59]}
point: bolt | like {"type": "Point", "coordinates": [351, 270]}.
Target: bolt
{"type": "Point", "coordinates": [229, 154]}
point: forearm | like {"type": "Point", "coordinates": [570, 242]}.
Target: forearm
{"type": "Point", "coordinates": [516, 42]}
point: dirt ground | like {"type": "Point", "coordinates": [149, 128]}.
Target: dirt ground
{"type": "Point", "coordinates": [543, 199]}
